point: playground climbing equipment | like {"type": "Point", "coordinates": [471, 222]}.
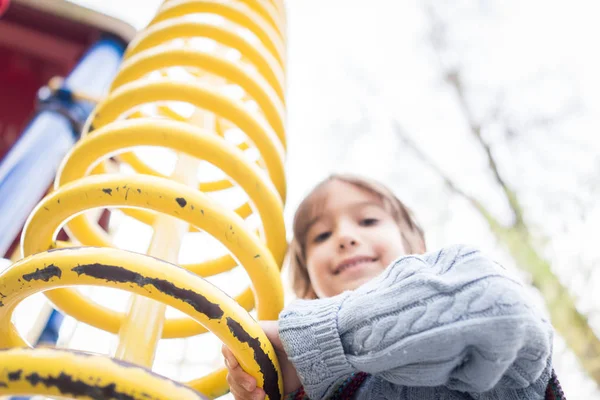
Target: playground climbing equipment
{"type": "Point", "coordinates": [224, 60]}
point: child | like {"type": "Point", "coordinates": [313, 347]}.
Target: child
{"type": "Point", "coordinates": [379, 318]}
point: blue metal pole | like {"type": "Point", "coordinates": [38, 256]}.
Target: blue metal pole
{"type": "Point", "coordinates": [28, 169]}
{"type": "Point", "coordinates": [49, 335]}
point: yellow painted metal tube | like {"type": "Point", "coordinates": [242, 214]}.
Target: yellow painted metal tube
{"type": "Point", "coordinates": [203, 96]}
{"type": "Point", "coordinates": [268, 10]}
{"type": "Point", "coordinates": [145, 276]}
{"type": "Point", "coordinates": [157, 194]}
{"type": "Point", "coordinates": [235, 11]}
{"type": "Point", "coordinates": [140, 110]}
{"type": "Point", "coordinates": [83, 376]}
{"type": "Point", "coordinates": [164, 56]}
{"type": "Point", "coordinates": [134, 162]}
{"type": "Point", "coordinates": [142, 327]}
{"type": "Point", "coordinates": [252, 53]}
{"type": "Point", "coordinates": [184, 138]}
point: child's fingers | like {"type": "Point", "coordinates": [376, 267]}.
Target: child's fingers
{"type": "Point", "coordinates": [258, 394]}
{"type": "Point", "coordinates": [237, 377]}
{"type": "Point", "coordinates": [229, 357]}
{"type": "Point", "coordinates": [242, 385]}
{"type": "Point", "coordinates": [239, 393]}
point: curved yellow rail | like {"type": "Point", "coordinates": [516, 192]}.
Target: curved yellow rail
{"type": "Point", "coordinates": [141, 109]}
{"type": "Point", "coordinates": [83, 376]}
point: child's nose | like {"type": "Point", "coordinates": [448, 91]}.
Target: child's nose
{"type": "Point", "coordinates": [346, 242]}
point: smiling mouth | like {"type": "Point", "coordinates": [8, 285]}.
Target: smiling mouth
{"type": "Point", "coordinates": [353, 263]}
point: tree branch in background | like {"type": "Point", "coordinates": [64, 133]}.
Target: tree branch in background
{"type": "Point", "coordinates": [408, 142]}
{"type": "Point", "coordinates": [453, 77]}
{"type": "Point", "coordinates": [567, 320]}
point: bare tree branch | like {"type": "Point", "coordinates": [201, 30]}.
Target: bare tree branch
{"type": "Point", "coordinates": [454, 78]}
{"type": "Point", "coordinates": [568, 321]}
{"type": "Point", "coordinates": [566, 318]}
{"type": "Point", "coordinates": [408, 142]}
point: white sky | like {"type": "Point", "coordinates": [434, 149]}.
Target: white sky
{"type": "Point", "coordinates": [355, 65]}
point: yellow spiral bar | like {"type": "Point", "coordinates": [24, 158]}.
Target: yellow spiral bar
{"type": "Point", "coordinates": [253, 54]}
{"type": "Point", "coordinates": [83, 376]}
{"type": "Point", "coordinates": [146, 276]}
{"type": "Point", "coordinates": [160, 195]}
{"type": "Point", "coordinates": [182, 57]}
{"type": "Point", "coordinates": [169, 56]}
{"type": "Point", "coordinates": [233, 10]}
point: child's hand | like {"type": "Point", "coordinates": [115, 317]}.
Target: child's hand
{"type": "Point", "coordinates": [243, 385]}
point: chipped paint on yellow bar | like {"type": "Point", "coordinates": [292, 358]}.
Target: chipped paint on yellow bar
{"type": "Point", "coordinates": [53, 372]}
{"type": "Point", "coordinates": [146, 276]}
{"type": "Point", "coordinates": [204, 96]}
{"type": "Point", "coordinates": [117, 125]}
{"type": "Point", "coordinates": [160, 195]}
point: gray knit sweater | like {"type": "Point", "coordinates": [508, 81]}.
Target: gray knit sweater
{"type": "Point", "coordinates": [450, 324]}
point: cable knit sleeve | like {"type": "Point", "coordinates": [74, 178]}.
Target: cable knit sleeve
{"type": "Point", "coordinates": [452, 318]}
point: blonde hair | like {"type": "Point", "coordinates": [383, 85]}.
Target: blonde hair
{"type": "Point", "coordinates": [412, 234]}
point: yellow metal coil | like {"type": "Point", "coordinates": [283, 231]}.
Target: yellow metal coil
{"type": "Point", "coordinates": [254, 32]}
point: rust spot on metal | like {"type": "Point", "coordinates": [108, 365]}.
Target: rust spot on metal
{"type": "Point", "coordinates": [44, 274]}
{"type": "Point", "coordinates": [267, 368]}
{"type": "Point", "coordinates": [15, 375]}
{"type": "Point", "coordinates": [75, 387]}
{"type": "Point", "coordinates": [113, 273]}
{"type": "Point", "coordinates": [108, 191]}
{"type": "Point", "coordinates": [181, 201]}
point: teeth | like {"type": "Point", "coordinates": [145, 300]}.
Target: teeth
{"type": "Point", "coordinates": [355, 263]}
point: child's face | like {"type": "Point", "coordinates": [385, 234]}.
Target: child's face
{"type": "Point", "coordinates": [352, 240]}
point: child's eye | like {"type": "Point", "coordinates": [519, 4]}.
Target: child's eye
{"type": "Point", "coordinates": [368, 221]}
{"type": "Point", "coordinates": [321, 237]}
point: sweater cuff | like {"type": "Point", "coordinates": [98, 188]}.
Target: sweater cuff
{"type": "Point", "coordinates": [309, 334]}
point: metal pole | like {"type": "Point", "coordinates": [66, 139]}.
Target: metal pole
{"type": "Point", "coordinates": [30, 166]}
